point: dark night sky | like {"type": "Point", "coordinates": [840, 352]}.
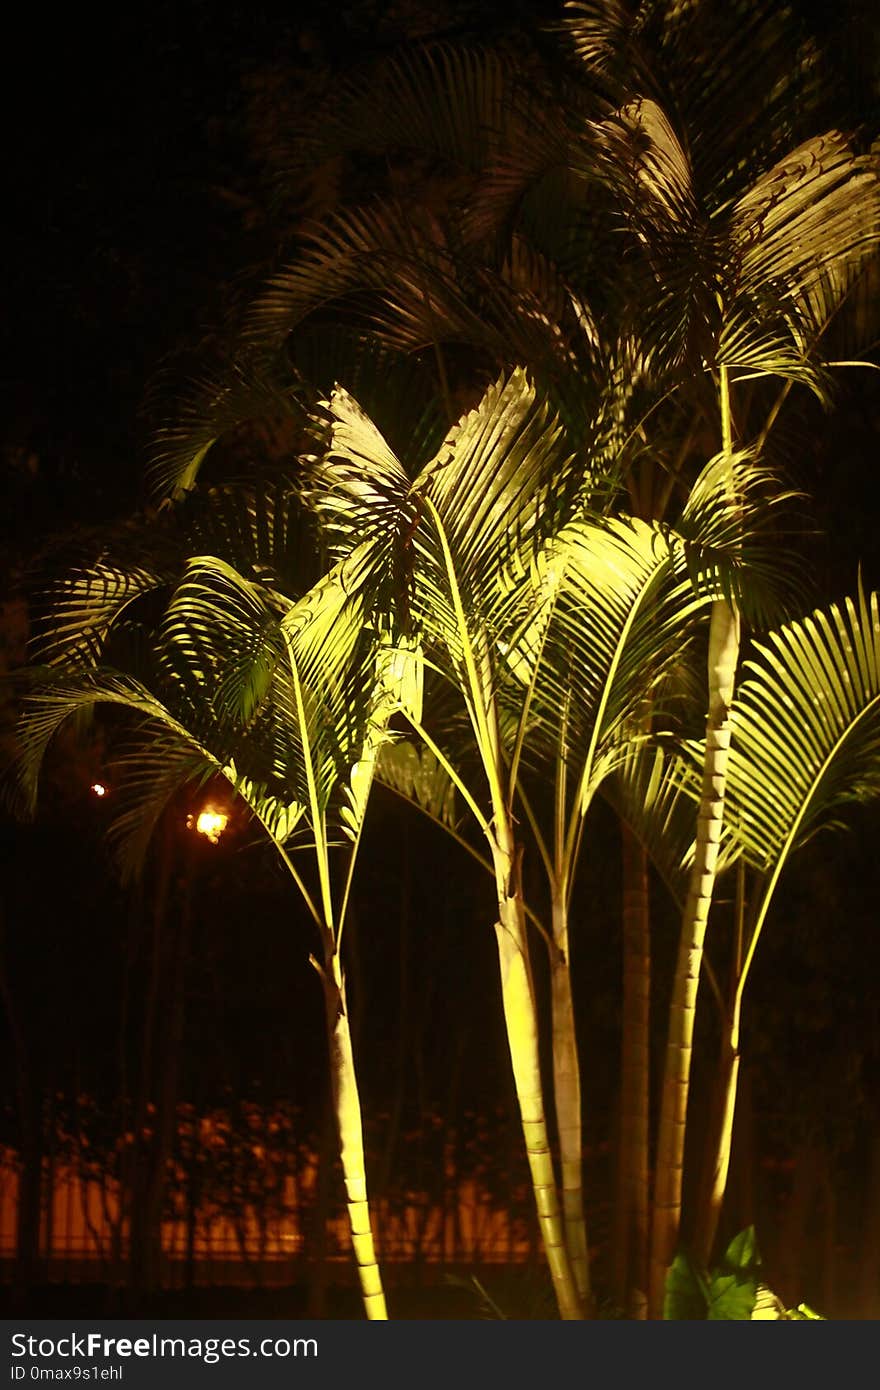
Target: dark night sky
{"type": "Point", "coordinates": [128, 160]}
{"type": "Point", "coordinates": [119, 239]}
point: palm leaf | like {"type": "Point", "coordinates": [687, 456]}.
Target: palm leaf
{"type": "Point", "coordinates": [259, 525]}
{"type": "Point", "coordinates": [500, 485]}
{"type": "Point", "coordinates": [435, 98]}
{"type": "Point", "coordinates": [623, 610]}
{"type": "Point", "coordinates": [806, 730]}
{"type": "Point", "coordinates": [397, 390]}
{"type": "Point", "coordinates": [416, 774]}
{"type": "Point", "coordinates": [388, 272]}
{"type": "Point", "coordinates": [111, 577]}
{"type": "Point", "coordinates": [146, 779]}
{"type": "Point", "coordinates": [398, 688]}
{"type": "Point", "coordinates": [76, 614]}
{"type": "Point", "coordinates": [251, 390]}
{"type": "Point", "coordinates": [226, 629]}
{"type": "Point", "coordinates": [734, 533]}
{"type": "Point", "coordinates": [657, 792]}
{"type": "Point", "coordinates": [47, 708]}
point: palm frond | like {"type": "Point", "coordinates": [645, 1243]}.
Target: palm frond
{"type": "Point", "coordinates": [416, 774]}
{"type": "Point", "coordinates": [599, 32]}
{"type": "Point", "coordinates": [397, 689]}
{"type": "Point", "coordinates": [98, 580]}
{"type": "Point", "coordinates": [657, 791]}
{"type": "Point", "coordinates": [736, 537]}
{"type": "Point", "coordinates": [226, 629]}
{"type": "Point", "coordinates": [806, 729]}
{"type": "Point", "coordinates": [278, 816]}
{"type": "Point", "coordinates": [746, 77]}
{"type": "Point", "coordinates": [622, 614]}
{"type": "Point", "coordinates": [49, 706]}
{"type": "Point", "coordinates": [435, 99]}
{"type": "Point", "coordinates": [146, 780]}
{"type": "Point", "coordinates": [387, 270]}
{"type": "Point", "coordinates": [76, 614]}
{"type": "Point", "coordinates": [399, 391]}
{"type": "Point", "coordinates": [259, 524]}
{"type": "Point", "coordinates": [798, 237]}
{"type": "Point", "coordinates": [253, 390]}
{"type": "Point", "coordinates": [816, 209]}
{"type": "Point", "coordinates": [500, 484]}
{"type": "Point", "coordinates": [331, 691]}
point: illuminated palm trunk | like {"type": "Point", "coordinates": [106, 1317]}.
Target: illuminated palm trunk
{"type": "Point", "coordinates": [517, 989]}
{"type": "Point", "coordinates": [347, 1110]}
{"type": "Point", "coordinates": [724, 632]}
{"type": "Point", "coordinates": [520, 1016]}
{"type": "Point", "coordinates": [567, 1093]}
{"type": "Point", "coordinates": [716, 1158]}
{"type": "Point", "coordinates": [632, 1220]}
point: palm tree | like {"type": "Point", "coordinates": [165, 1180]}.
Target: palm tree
{"type": "Point", "coordinates": [420, 295]}
{"type": "Point", "coordinates": [451, 552]}
{"type": "Point", "coordinates": [805, 745]}
{"type": "Point", "coordinates": [553, 626]}
{"type": "Point", "coordinates": [786, 249]}
{"type": "Point", "coordinates": [615, 616]}
{"type": "Point", "coordinates": [287, 699]}
{"type": "Point", "coordinates": [730, 278]}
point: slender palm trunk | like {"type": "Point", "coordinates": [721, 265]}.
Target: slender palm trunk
{"type": "Point", "coordinates": [517, 988]}
{"type": "Point", "coordinates": [520, 1014]}
{"type": "Point", "coordinates": [631, 1237]}
{"type": "Point", "coordinates": [404, 1012]}
{"type": "Point", "coordinates": [567, 1094]}
{"type": "Point", "coordinates": [346, 1105]}
{"type": "Point", "coordinates": [724, 644]}
{"type": "Point", "coordinates": [724, 633]}
{"type": "Point", "coordinates": [719, 1137]}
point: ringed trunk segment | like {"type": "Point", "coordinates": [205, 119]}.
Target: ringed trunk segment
{"type": "Point", "coordinates": [520, 1016]}
{"type": "Point", "coordinates": [567, 1092]}
{"type": "Point", "coordinates": [723, 656]}
{"type": "Point", "coordinates": [347, 1112]}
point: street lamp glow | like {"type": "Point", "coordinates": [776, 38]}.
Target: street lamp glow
{"type": "Point", "coordinates": [209, 823]}
{"type": "Point", "coordinates": [98, 789]}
